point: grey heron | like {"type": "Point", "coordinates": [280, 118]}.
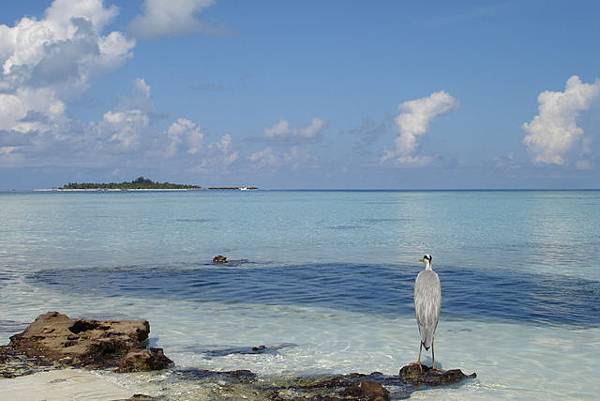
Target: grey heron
{"type": "Point", "coordinates": [428, 304]}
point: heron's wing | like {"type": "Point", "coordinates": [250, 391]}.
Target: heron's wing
{"type": "Point", "coordinates": [428, 304]}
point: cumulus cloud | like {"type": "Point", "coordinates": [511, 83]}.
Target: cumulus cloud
{"type": "Point", "coordinates": [170, 18]}
{"type": "Point", "coordinates": [413, 122]}
{"type": "Point", "coordinates": [282, 130]}
{"type": "Point", "coordinates": [12, 110]}
{"type": "Point", "coordinates": [223, 149]}
{"type": "Point", "coordinates": [186, 132]}
{"type": "Point", "coordinates": [66, 44]}
{"type": "Point", "coordinates": [313, 129]}
{"type": "Point", "coordinates": [45, 61]}
{"type": "Point", "coordinates": [292, 145]}
{"type": "Point", "coordinates": [553, 132]}
{"type": "Point", "coordinates": [219, 154]}
{"type": "Point", "coordinates": [61, 11]}
{"type": "Point", "coordinates": [265, 158]}
{"type": "Point", "coordinates": [293, 157]}
{"type": "Point", "coordinates": [123, 127]}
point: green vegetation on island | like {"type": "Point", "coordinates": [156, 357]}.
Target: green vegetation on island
{"type": "Point", "coordinates": [139, 183]}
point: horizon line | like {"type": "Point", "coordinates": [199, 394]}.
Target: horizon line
{"type": "Point", "coordinates": [38, 190]}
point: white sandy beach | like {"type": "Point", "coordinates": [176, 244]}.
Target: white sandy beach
{"type": "Point", "coordinates": [62, 385]}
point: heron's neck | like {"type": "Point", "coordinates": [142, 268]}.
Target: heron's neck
{"type": "Point", "coordinates": [428, 266]}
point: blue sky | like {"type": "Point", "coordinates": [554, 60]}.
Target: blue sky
{"type": "Point", "coordinates": [290, 94]}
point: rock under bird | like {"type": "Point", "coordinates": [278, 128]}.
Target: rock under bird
{"type": "Point", "coordinates": [428, 305]}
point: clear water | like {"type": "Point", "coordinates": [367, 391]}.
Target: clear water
{"type": "Point", "coordinates": [325, 278]}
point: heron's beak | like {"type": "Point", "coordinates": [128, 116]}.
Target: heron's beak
{"type": "Point", "coordinates": [422, 260]}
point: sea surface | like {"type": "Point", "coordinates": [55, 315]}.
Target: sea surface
{"type": "Point", "coordinates": [324, 279]}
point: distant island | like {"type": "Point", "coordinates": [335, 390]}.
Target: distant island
{"type": "Point", "coordinates": [140, 184]}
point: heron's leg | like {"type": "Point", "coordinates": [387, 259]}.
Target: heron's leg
{"type": "Point", "coordinates": [419, 358]}
{"type": "Point", "coordinates": [432, 354]}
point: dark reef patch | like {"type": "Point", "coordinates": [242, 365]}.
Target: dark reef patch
{"type": "Point", "coordinates": [251, 350]}
{"type": "Point", "coordinates": [346, 227]}
{"type": "Point", "coordinates": [383, 289]}
{"type": "Point", "coordinates": [191, 220]}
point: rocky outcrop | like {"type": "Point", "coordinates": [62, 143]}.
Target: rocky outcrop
{"type": "Point", "coordinates": [351, 387]}
{"type": "Point", "coordinates": [416, 375]}
{"type": "Point", "coordinates": [360, 387]}
{"type": "Point", "coordinates": [367, 390]}
{"type": "Point", "coordinates": [143, 360]}
{"type": "Point", "coordinates": [55, 339]}
{"type": "Point", "coordinates": [219, 259]}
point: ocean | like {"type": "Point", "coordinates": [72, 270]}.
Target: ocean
{"type": "Point", "coordinates": [325, 279]}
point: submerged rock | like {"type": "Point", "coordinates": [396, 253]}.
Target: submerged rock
{"type": "Point", "coordinates": [351, 387]}
{"type": "Point", "coordinates": [55, 339]}
{"type": "Point", "coordinates": [144, 360]}
{"type": "Point", "coordinates": [252, 350]}
{"type": "Point", "coordinates": [367, 390]}
{"type": "Point", "coordinates": [415, 374]}
{"type": "Point", "coordinates": [219, 259]}
{"type": "Point", "coordinates": [141, 397]}
{"type": "Point", "coordinates": [241, 375]}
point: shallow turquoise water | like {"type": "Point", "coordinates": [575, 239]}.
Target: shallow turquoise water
{"type": "Point", "coordinates": [329, 273]}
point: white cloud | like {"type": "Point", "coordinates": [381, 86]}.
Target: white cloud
{"type": "Point", "coordinates": [265, 158]}
{"type": "Point", "coordinates": [185, 139]}
{"type": "Point", "coordinates": [139, 98]}
{"type": "Point", "coordinates": [6, 150]}
{"type": "Point", "coordinates": [219, 155]}
{"type": "Point", "coordinates": [553, 132]}
{"type": "Point", "coordinates": [282, 130]}
{"type": "Point", "coordinates": [223, 150]}
{"type": "Point", "coordinates": [293, 147]}
{"type": "Point", "coordinates": [69, 36]}
{"type": "Point", "coordinates": [413, 122]}
{"type": "Point", "coordinates": [186, 131]}
{"type": "Point", "coordinates": [294, 157]}
{"type": "Point", "coordinates": [61, 12]}
{"type": "Point", "coordinates": [297, 157]}
{"type": "Point", "coordinates": [170, 18]}
{"type": "Point", "coordinates": [124, 128]}
{"type": "Point", "coordinates": [142, 87]}
{"type": "Point", "coordinates": [12, 110]}
{"type": "Point", "coordinates": [44, 62]}
{"type": "Point", "coordinates": [313, 129]}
